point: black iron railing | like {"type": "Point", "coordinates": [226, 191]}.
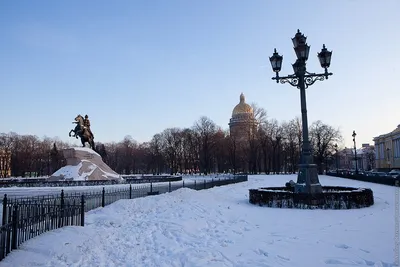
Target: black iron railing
{"type": "Point", "coordinates": [23, 221]}
{"type": "Point", "coordinates": [386, 180]}
{"type": "Point", "coordinates": [128, 179]}
{"type": "Point", "coordinates": [25, 218]}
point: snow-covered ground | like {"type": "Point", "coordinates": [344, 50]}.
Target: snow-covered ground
{"type": "Point", "coordinates": [40, 191]}
{"type": "Point", "coordinates": [218, 227]}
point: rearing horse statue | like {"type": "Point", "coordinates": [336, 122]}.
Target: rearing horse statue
{"type": "Point", "coordinates": [82, 132]}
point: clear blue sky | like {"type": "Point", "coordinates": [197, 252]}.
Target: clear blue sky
{"type": "Point", "coordinates": [138, 67]}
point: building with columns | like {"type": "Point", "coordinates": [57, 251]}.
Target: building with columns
{"type": "Point", "coordinates": [387, 150]}
{"type": "Point", "coordinates": [242, 123]}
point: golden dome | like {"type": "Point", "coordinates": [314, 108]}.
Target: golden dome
{"type": "Point", "coordinates": [242, 107]}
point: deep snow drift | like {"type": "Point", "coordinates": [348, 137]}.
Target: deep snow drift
{"type": "Point", "coordinates": [218, 227]}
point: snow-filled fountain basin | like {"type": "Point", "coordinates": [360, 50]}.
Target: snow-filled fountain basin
{"type": "Point", "coordinates": [332, 197]}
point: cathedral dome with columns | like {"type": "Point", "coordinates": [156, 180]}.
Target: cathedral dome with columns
{"type": "Point", "coordinates": [242, 107]}
{"type": "Point", "coordinates": [242, 122]}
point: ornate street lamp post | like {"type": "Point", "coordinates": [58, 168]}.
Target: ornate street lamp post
{"type": "Point", "coordinates": [355, 150]}
{"type": "Point", "coordinates": [337, 162]}
{"type": "Point", "coordinates": [307, 179]}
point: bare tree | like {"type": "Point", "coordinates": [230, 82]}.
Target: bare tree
{"type": "Point", "coordinates": [291, 145]}
{"type": "Point", "coordinates": [220, 160]}
{"type": "Point", "coordinates": [143, 158]}
{"type": "Point", "coordinates": [112, 155]}
{"type": "Point", "coordinates": [253, 147]}
{"type": "Point", "coordinates": [156, 153]}
{"type": "Point", "coordinates": [323, 137]}
{"type": "Point", "coordinates": [56, 159]}
{"type": "Point", "coordinates": [7, 142]}
{"type": "Point", "coordinates": [205, 129]}
{"type": "Point", "coordinates": [370, 157]}
{"type": "Point", "coordinates": [233, 152]}
{"type": "Point", "coordinates": [125, 158]}
{"type": "Point", "coordinates": [260, 114]}
{"type": "Point", "coordinates": [172, 148]}
{"type": "Point", "coordinates": [190, 150]}
{"type": "Point", "coordinates": [270, 136]}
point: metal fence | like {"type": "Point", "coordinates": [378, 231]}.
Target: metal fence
{"type": "Point", "coordinates": [128, 179]}
{"type": "Point", "coordinates": [386, 180]}
{"type": "Point", "coordinates": [25, 218]}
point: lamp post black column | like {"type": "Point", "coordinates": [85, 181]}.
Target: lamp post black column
{"type": "Point", "coordinates": [337, 162]}
{"type": "Point", "coordinates": [307, 179]}
{"type": "Point", "coordinates": [355, 150]}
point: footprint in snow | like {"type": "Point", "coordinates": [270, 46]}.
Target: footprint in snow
{"type": "Point", "coordinates": [283, 258]}
{"type": "Point", "coordinates": [237, 232]}
{"type": "Point", "coordinates": [344, 246]}
{"type": "Point", "coordinates": [261, 252]}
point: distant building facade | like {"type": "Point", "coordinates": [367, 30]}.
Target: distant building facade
{"type": "Point", "coordinates": [242, 123]}
{"type": "Point", "coordinates": [365, 158]}
{"type": "Point", "coordinates": [387, 150]}
{"type": "Point", "coordinates": [5, 163]}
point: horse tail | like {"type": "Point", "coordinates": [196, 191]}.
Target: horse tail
{"type": "Point", "coordinates": [92, 145]}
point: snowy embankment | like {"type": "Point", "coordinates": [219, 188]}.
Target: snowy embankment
{"type": "Point", "coordinates": [41, 191]}
{"type": "Point", "coordinates": [218, 227]}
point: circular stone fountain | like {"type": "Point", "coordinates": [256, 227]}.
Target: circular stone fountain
{"type": "Point", "coordinates": [332, 197]}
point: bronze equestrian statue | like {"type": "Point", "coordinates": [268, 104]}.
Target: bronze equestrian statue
{"type": "Point", "coordinates": [82, 130]}
{"type": "Point", "coordinates": [86, 124]}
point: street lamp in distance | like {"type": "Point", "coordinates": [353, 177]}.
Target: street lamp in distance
{"type": "Point", "coordinates": [336, 155]}
{"type": "Point", "coordinates": [355, 149]}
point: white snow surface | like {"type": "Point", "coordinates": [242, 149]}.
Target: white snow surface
{"type": "Point", "coordinates": [76, 173]}
{"type": "Point", "coordinates": [219, 227]}
{"type": "Point", "coordinates": [71, 171]}
{"type": "Point", "coordinates": [86, 149]}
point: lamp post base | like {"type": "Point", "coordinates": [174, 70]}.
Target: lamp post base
{"type": "Point", "coordinates": [307, 180]}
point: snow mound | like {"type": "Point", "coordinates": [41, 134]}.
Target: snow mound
{"type": "Point", "coordinates": [84, 164]}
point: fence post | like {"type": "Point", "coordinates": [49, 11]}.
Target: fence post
{"type": "Point", "coordinates": [103, 197]}
{"type": "Point", "coordinates": [169, 186]}
{"type": "Point", "coordinates": [62, 208]}
{"type": "Point", "coordinates": [183, 183]}
{"type": "Point", "coordinates": [83, 210]}
{"type": "Point", "coordinates": [14, 227]}
{"type": "Point", "coordinates": [62, 198]}
{"type": "Point", "coordinates": [151, 187]}
{"type": "Point", "coordinates": [130, 191]}
{"type": "Point", "coordinates": [204, 183]}
{"type": "Point", "coordinates": [212, 182]}
{"type": "Point", "coordinates": [4, 209]}
{"type": "Point", "coordinates": [195, 187]}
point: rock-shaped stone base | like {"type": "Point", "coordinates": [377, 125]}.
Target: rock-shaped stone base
{"type": "Point", "coordinates": [84, 164]}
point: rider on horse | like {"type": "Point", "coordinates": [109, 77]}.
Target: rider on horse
{"type": "Point", "coordinates": [86, 125]}
{"type": "Point", "coordinates": [82, 130]}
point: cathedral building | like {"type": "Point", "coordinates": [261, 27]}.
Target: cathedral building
{"type": "Point", "coordinates": [242, 125]}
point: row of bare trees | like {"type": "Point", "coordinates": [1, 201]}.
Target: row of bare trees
{"type": "Point", "coordinates": [31, 156]}
{"type": "Point", "coordinates": [204, 148]}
